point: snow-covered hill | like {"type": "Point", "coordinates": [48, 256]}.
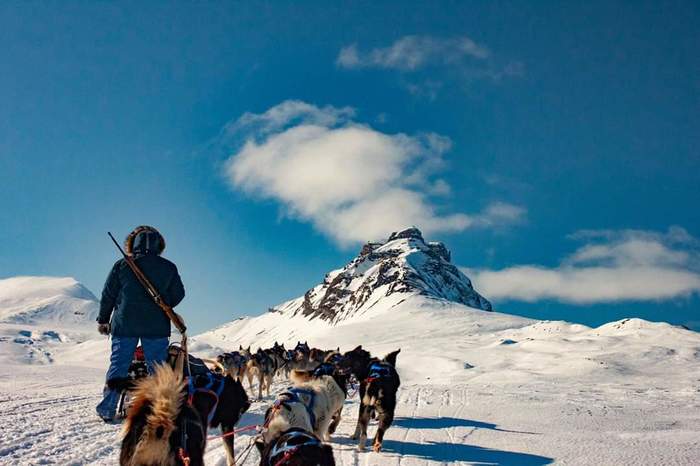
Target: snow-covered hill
{"type": "Point", "coordinates": [40, 315]}
{"type": "Point", "coordinates": [42, 300]}
{"type": "Point", "coordinates": [444, 342]}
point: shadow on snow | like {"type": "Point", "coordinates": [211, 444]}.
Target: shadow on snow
{"type": "Point", "coordinates": [448, 452]}
{"type": "Point", "coordinates": [448, 422]}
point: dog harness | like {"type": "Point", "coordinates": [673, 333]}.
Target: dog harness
{"type": "Point", "coordinates": [238, 358]}
{"type": "Point", "coordinates": [307, 398]}
{"type": "Point", "coordinates": [210, 384]}
{"type": "Point", "coordinates": [325, 368]}
{"type": "Point", "coordinates": [288, 444]}
{"type": "Point", "coordinates": [378, 370]}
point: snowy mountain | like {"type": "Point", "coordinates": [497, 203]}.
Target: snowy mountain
{"type": "Point", "coordinates": [405, 265]}
{"type": "Point", "coordinates": [491, 388]}
{"type": "Point", "coordinates": [58, 300]}
{"type": "Point", "coordinates": [39, 315]}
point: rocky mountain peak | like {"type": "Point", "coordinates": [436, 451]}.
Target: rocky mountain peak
{"type": "Point", "coordinates": [409, 233]}
{"type": "Point", "coordinates": [404, 264]}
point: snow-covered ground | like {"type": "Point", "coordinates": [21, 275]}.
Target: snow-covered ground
{"type": "Point", "coordinates": [477, 388]}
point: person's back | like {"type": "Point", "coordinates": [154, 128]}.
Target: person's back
{"type": "Point", "coordinates": [134, 315]}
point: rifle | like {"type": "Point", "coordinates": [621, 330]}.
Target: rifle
{"type": "Point", "coordinates": [174, 317]}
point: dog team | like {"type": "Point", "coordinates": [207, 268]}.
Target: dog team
{"type": "Point", "coordinates": [170, 398]}
{"type": "Point", "coordinates": [170, 411]}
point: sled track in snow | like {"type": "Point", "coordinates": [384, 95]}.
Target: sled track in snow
{"type": "Point", "coordinates": [45, 427]}
{"type": "Point", "coordinates": [47, 417]}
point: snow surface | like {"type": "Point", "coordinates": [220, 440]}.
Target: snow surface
{"type": "Point", "coordinates": [477, 388]}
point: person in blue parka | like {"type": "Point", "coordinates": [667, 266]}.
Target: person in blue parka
{"type": "Point", "coordinates": [128, 312]}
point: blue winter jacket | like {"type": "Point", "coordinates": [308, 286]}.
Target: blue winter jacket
{"type": "Point", "coordinates": [135, 313]}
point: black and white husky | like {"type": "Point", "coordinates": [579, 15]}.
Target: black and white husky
{"type": "Point", "coordinates": [379, 383]}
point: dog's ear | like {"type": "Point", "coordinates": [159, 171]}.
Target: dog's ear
{"type": "Point", "coordinates": [391, 357]}
{"type": "Point", "coordinates": [327, 456]}
{"type": "Point", "coordinates": [359, 348]}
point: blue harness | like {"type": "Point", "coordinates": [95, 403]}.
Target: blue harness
{"type": "Point", "coordinates": [379, 370]}
{"type": "Point", "coordinates": [294, 395]}
{"type": "Point", "coordinates": [213, 386]}
{"type": "Point", "coordinates": [325, 368]}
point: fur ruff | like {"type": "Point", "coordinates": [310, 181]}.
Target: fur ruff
{"type": "Point", "coordinates": [163, 395]}
{"type": "Point", "coordinates": [129, 241]}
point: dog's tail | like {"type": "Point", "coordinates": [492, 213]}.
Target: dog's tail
{"type": "Point", "coordinates": [157, 401]}
{"type": "Point", "coordinates": [215, 364]}
{"type": "Point", "coordinates": [299, 376]}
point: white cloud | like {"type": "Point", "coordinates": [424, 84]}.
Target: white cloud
{"type": "Point", "coordinates": [427, 64]}
{"type": "Point", "coordinates": [499, 213]}
{"type": "Point", "coordinates": [410, 53]}
{"type": "Point", "coordinates": [287, 113]}
{"type": "Point", "coordinates": [612, 266]}
{"type": "Point", "coordinates": [352, 182]}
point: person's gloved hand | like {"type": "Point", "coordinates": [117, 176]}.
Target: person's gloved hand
{"type": "Point", "coordinates": [103, 329]}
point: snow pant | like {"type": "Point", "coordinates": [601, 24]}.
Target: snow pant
{"type": "Point", "coordinates": [155, 350]}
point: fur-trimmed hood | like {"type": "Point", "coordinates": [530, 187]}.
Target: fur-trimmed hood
{"type": "Point", "coordinates": [144, 240]}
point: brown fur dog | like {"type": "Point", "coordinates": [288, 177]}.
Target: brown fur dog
{"type": "Point", "coordinates": [163, 429]}
{"type": "Point", "coordinates": [152, 433]}
{"type": "Point", "coordinates": [260, 366]}
{"type": "Point", "coordinates": [233, 364]}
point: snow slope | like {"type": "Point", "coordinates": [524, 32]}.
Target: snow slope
{"type": "Point", "coordinates": [39, 315]}
{"type": "Point", "coordinates": [57, 300]}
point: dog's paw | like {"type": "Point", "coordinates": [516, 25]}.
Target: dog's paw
{"type": "Point", "coordinates": [377, 447]}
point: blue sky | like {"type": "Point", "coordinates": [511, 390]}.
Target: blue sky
{"type": "Point", "coordinates": [552, 146]}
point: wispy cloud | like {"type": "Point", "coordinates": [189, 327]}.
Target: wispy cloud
{"type": "Point", "coordinates": [352, 182]}
{"type": "Point", "coordinates": [410, 53]}
{"type": "Point", "coordinates": [628, 265]}
{"type": "Point", "coordinates": [468, 60]}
